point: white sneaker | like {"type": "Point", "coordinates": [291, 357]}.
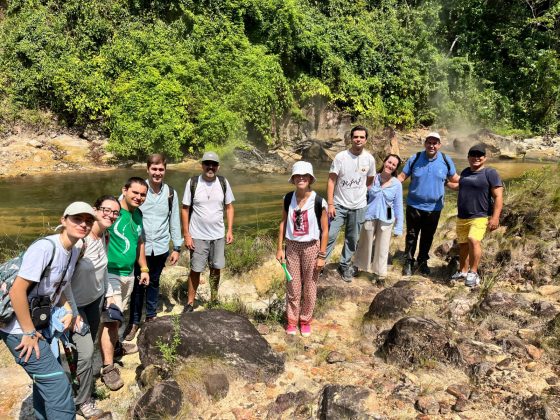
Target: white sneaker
{"type": "Point", "coordinates": [459, 275]}
{"type": "Point", "coordinates": [472, 279]}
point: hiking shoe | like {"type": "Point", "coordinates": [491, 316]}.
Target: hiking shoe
{"type": "Point", "coordinates": [89, 410]}
{"type": "Point", "coordinates": [291, 330]}
{"type": "Point", "coordinates": [423, 268]}
{"type": "Point", "coordinates": [355, 271]}
{"type": "Point", "coordinates": [111, 377]}
{"type": "Point", "coordinates": [305, 329]}
{"type": "Point", "coordinates": [130, 332]}
{"type": "Point", "coordinates": [188, 308]}
{"type": "Point", "coordinates": [472, 279]}
{"type": "Point", "coordinates": [459, 275]}
{"type": "Point", "coordinates": [150, 319]}
{"type": "Point", "coordinates": [346, 274]}
{"type": "Point", "coordinates": [124, 349]}
{"type": "Point", "coordinates": [407, 269]}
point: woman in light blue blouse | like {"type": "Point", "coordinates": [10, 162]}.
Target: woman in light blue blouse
{"type": "Point", "coordinates": [385, 210]}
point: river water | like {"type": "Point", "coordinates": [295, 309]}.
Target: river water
{"type": "Point", "coordinates": [32, 205]}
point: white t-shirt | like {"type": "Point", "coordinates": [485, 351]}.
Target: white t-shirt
{"type": "Point", "coordinates": [350, 190]}
{"type": "Point", "coordinates": [207, 217]}
{"type": "Point", "coordinates": [34, 261]}
{"type": "Point", "coordinates": [305, 227]}
{"type": "Point", "coordinates": [90, 275]}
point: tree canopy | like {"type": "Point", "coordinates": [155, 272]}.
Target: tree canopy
{"type": "Point", "coordinates": [178, 75]}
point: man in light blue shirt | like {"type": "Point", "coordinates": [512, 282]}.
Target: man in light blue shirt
{"type": "Point", "coordinates": [162, 225]}
{"type": "Point", "coordinates": [430, 171]}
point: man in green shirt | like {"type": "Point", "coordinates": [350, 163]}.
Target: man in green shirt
{"type": "Point", "coordinates": [126, 246]}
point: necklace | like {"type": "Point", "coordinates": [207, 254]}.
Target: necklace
{"type": "Point", "coordinates": [208, 189]}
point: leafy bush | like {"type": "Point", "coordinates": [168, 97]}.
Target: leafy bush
{"type": "Point", "coordinates": [248, 253]}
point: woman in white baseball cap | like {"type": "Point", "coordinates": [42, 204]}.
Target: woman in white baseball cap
{"type": "Point", "coordinates": [41, 284]}
{"type": "Point", "coordinates": [305, 226]}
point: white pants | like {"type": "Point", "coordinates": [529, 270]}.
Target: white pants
{"type": "Point", "coordinates": [373, 247]}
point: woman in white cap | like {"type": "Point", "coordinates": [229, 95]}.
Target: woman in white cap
{"type": "Point", "coordinates": [384, 213]}
{"type": "Point", "coordinates": [89, 285]}
{"type": "Point", "coordinates": [44, 276]}
{"type": "Point", "coordinates": [305, 226]}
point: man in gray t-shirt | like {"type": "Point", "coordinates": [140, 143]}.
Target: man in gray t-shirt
{"type": "Point", "coordinates": [206, 197]}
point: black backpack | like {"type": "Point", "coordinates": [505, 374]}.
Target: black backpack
{"type": "Point", "coordinates": [418, 155]}
{"type": "Point", "coordinates": [318, 206]}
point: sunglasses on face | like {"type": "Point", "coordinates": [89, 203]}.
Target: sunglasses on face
{"type": "Point", "coordinates": [476, 154]}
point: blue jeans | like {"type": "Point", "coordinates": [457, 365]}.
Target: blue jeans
{"type": "Point", "coordinates": [151, 292]}
{"type": "Point", "coordinates": [353, 221]}
{"type": "Point", "coordinates": [52, 394]}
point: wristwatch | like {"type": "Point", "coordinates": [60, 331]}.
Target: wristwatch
{"type": "Point", "coordinates": [177, 248]}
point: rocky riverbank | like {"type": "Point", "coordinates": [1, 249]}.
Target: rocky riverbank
{"type": "Point", "coordinates": [31, 152]}
{"type": "Point", "coordinates": [413, 347]}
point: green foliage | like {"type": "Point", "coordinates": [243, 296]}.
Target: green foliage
{"type": "Point", "coordinates": [184, 75]}
{"type": "Point", "coordinates": [169, 350]}
{"type": "Point", "coordinates": [248, 253]}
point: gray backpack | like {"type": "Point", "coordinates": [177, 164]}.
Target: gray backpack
{"type": "Point", "coordinates": [8, 273]}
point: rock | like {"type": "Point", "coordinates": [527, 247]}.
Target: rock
{"type": "Point", "coordinates": [444, 407]}
{"type": "Point", "coordinates": [335, 357]}
{"type": "Point", "coordinates": [471, 352]}
{"type": "Point", "coordinates": [460, 405]}
{"type": "Point", "coordinates": [513, 345]}
{"type": "Point", "coordinates": [459, 391]}
{"type": "Point", "coordinates": [552, 380]}
{"type": "Point", "coordinates": [35, 143]}
{"type": "Point", "coordinates": [343, 402]}
{"type": "Point", "coordinates": [332, 286]}
{"type": "Point", "coordinates": [390, 302]}
{"type": "Point", "coordinates": [504, 364]}
{"type": "Point", "coordinates": [534, 352]}
{"type": "Point", "coordinates": [214, 333]}
{"type": "Point", "coordinates": [263, 329]}
{"type": "Point", "coordinates": [480, 370]}
{"type": "Point", "coordinates": [548, 289]}
{"type": "Point", "coordinates": [287, 401]}
{"type": "Point", "coordinates": [427, 405]}
{"type": "Point", "coordinates": [544, 309]}
{"type": "Point", "coordinates": [151, 375]}
{"type": "Point", "coordinates": [413, 339]}
{"type": "Point", "coordinates": [163, 400]}
{"type": "Point", "coordinates": [460, 307]}
{"type": "Point", "coordinates": [526, 334]}
{"type": "Point", "coordinates": [503, 303]}
{"type": "Point", "coordinates": [531, 366]}
{"type": "Point", "coordinates": [216, 385]}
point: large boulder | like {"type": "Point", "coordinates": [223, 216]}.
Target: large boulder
{"type": "Point", "coordinates": [163, 400]}
{"type": "Point", "coordinates": [213, 333]}
{"type": "Point", "coordinates": [415, 339]}
{"type": "Point", "coordinates": [344, 402]}
{"type": "Point", "coordinates": [391, 301]}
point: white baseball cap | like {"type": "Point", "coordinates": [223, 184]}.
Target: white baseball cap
{"type": "Point", "coordinates": [434, 135]}
{"type": "Point", "coordinates": [210, 156]}
{"type": "Point", "coordinates": [79, 207]}
{"type": "Point", "coordinates": [302, 168]}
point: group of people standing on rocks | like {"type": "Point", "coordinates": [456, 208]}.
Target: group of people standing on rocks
{"type": "Point", "coordinates": [108, 259]}
{"type": "Point", "coordinates": [368, 203]}
{"type": "Point", "coordinates": [76, 285]}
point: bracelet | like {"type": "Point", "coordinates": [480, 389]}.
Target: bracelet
{"type": "Point", "coordinates": [32, 333]}
{"type": "Point", "coordinates": [321, 257]}
{"type": "Point", "coordinates": [144, 270]}
{"type": "Point", "coordinates": [330, 204]}
{"type": "Point", "coordinates": [322, 254]}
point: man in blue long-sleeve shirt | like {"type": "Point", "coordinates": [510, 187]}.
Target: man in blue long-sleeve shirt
{"type": "Point", "coordinates": [162, 225]}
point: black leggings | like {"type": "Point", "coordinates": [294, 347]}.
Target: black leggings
{"type": "Point", "coordinates": [420, 223]}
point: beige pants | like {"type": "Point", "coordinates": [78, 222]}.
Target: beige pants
{"type": "Point", "coordinates": [373, 247]}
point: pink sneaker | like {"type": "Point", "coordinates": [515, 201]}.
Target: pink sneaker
{"type": "Point", "coordinates": [291, 330]}
{"type": "Point", "coordinates": [305, 330]}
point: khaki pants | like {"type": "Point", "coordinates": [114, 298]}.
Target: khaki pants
{"type": "Point", "coordinates": [373, 247]}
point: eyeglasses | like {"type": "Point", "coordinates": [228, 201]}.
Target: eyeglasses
{"type": "Point", "coordinates": [108, 211]}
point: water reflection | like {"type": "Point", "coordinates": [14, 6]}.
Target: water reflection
{"type": "Point", "coordinates": [32, 205]}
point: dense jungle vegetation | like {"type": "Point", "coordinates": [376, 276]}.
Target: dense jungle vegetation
{"type": "Point", "coordinates": [176, 75]}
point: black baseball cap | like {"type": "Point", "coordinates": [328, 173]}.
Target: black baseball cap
{"type": "Point", "coordinates": [478, 149]}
